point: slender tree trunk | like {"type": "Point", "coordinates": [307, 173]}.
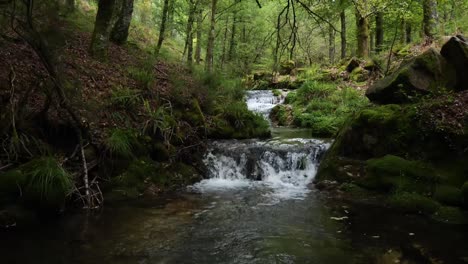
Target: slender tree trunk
{"type": "Point", "coordinates": [343, 34]}
{"type": "Point", "coordinates": [211, 38]}
{"type": "Point", "coordinates": [403, 32]}
{"type": "Point", "coordinates": [102, 28]}
{"type": "Point", "coordinates": [362, 24]}
{"type": "Point", "coordinates": [232, 42]}
{"type": "Point", "coordinates": [224, 53]}
{"type": "Point", "coordinates": [162, 28]}
{"type": "Point", "coordinates": [199, 36]}
{"type": "Point", "coordinates": [379, 32]}
{"type": "Point", "coordinates": [408, 33]}
{"type": "Point", "coordinates": [170, 18]}
{"type": "Point", "coordinates": [331, 44]}
{"type": "Point", "coordinates": [189, 31]}
{"type": "Point", "coordinates": [119, 33]}
{"type": "Point", "coordinates": [429, 19]}
{"type": "Point", "coordinates": [371, 42]}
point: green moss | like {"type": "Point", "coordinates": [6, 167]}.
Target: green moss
{"type": "Point", "coordinates": [451, 215]}
{"type": "Point", "coordinates": [121, 142]}
{"type": "Point", "coordinates": [448, 195]}
{"type": "Point", "coordinates": [276, 92]}
{"type": "Point", "coordinates": [464, 190]}
{"type": "Point", "coordinates": [413, 203]}
{"type": "Point", "coordinates": [392, 172]}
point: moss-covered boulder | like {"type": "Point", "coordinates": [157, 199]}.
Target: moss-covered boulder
{"type": "Point", "coordinates": [287, 67]}
{"type": "Point", "coordinates": [413, 203]}
{"type": "Point", "coordinates": [425, 74]}
{"type": "Point", "coordinates": [455, 51]}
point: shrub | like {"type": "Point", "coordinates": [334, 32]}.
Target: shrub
{"type": "Point", "coordinates": [46, 181]}
{"type": "Point", "coordinates": [120, 142]}
{"type": "Point", "coordinates": [125, 98]}
{"type": "Point", "coordinates": [144, 77]}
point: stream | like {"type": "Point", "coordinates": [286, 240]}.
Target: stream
{"type": "Point", "coordinates": [256, 205]}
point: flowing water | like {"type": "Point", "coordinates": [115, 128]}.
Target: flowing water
{"type": "Point", "coordinates": [256, 205]}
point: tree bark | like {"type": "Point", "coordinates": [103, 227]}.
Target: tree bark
{"type": "Point", "coordinates": [211, 38]}
{"type": "Point", "coordinates": [343, 34]}
{"type": "Point", "coordinates": [189, 31]}
{"type": "Point", "coordinates": [408, 33]}
{"type": "Point", "coordinates": [224, 53]}
{"type": "Point", "coordinates": [331, 44]}
{"type": "Point", "coordinates": [102, 28]}
{"type": "Point", "coordinates": [162, 28]}
{"type": "Point", "coordinates": [362, 23]}
{"type": "Point", "coordinates": [119, 33]}
{"type": "Point", "coordinates": [199, 36]}
{"type": "Point", "coordinates": [429, 19]}
{"type": "Point", "coordinates": [379, 32]}
{"type": "Point", "coordinates": [232, 42]}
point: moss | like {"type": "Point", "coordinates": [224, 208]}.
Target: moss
{"type": "Point", "coordinates": [392, 172]}
{"type": "Point", "coordinates": [451, 215]}
{"type": "Point", "coordinates": [413, 203]}
{"type": "Point", "coordinates": [448, 195]}
{"type": "Point", "coordinates": [276, 92]}
{"type": "Point", "coordinates": [464, 190]}
{"type": "Point", "coordinates": [358, 75]}
{"type": "Point", "coordinates": [354, 190]}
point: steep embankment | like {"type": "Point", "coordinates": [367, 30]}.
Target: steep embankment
{"type": "Point", "coordinates": [413, 146]}
{"type": "Point", "coordinates": [144, 122]}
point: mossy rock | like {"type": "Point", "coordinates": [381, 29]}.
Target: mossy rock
{"type": "Point", "coordinates": [464, 190]}
{"type": "Point", "coordinates": [359, 75]}
{"type": "Point", "coordinates": [392, 172]}
{"type": "Point", "coordinates": [290, 98]}
{"type": "Point", "coordinates": [451, 215]}
{"type": "Point", "coordinates": [286, 67]}
{"type": "Point", "coordinates": [133, 181]}
{"type": "Point", "coordinates": [448, 195]}
{"type": "Point", "coordinates": [425, 74]}
{"type": "Point", "coordinates": [413, 203]}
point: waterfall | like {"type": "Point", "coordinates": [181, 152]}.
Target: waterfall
{"type": "Point", "coordinates": [284, 166]}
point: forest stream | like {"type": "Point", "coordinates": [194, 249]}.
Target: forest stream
{"type": "Point", "coordinates": [256, 205]}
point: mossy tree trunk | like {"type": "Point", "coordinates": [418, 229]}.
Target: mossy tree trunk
{"type": "Point", "coordinates": [162, 27]}
{"type": "Point", "coordinates": [232, 42]}
{"type": "Point", "coordinates": [409, 37]}
{"type": "Point", "coordinates": [211, 38]}
{"type": "Point", "coordinates": [199, 35]}
{"type": "Point", "coordinates": [379, 32]}
{"type": "Point", "coordinates": [429, 19]}
{"type": "Point", "coordinates": [119, 33]}
{"type": "Point", "coordinates": [362, 25]}
{"type": "Point", "coordinates": [343, 34]}
{"type": "Point", "coordinates": [331, 44]}
{"type": "Point", "coordinates": [102, 28]}
{"type": "Point", "coordinates": [189, 31]}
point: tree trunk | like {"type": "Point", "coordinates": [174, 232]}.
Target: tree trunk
{"type": "Point", "coordinates": [224, 53]}
{"type": "Point", "coordinates": [331, 44]}
{"type": "Point", "coordinates": [343, 34]}
{"type": "Point", "coordinates": [408, 33]}
{"type": "Point", "coordinates": [102, 28]}
{"type": "Point", "coordinates": [189, 31]}
{"type": "Point", "coordinates": [199, 36]}
{"type": "Point", "coordinates": [232, 42]}
{"type": "Point", "coordinates": [403, 32]}
{"type": "Point", "coordinates": [379, 32]}
{"type": "Point", "coordinates": [162, 28]}
{"type": "Point", "coordinates": [211, 38]}
{"type": "Point", "coordinates": [362, 24]}
{"type": "Point", "coordinates": [170, 18]}
{"type": "Point", "coordinates": [429, 19]}
{"type": "Point", "coordinates": [119, 34]}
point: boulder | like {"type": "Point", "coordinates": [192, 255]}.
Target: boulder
{"type": "Point", "coordinates": [287, 67]}
{"type": "Point", "coordinates": [455, 51]}
{"type": "Point", "coordinates": [427, 73]}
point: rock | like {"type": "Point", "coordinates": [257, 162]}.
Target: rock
{"type": "Point", "coordinates": [425, 74]}
{"type": "Point", "coordinates": [287, 67]}
{"type": "Point", "coordinates": [359, 75]}
{"type": "Point", "coordinates": [262, 75]}
{"type": "Point", "coordinates": [352, 64]}
{"type": "Point", "coordinates": [455, 51]}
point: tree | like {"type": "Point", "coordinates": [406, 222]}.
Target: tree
{"type": "Point", "coordinates": [211, 38]}
{"type": "Point", "coordinates": [162, 28]}
{"type": "Point", "coordinates": [362, 24]}
{"type": "Point", "coordinates": [429, 19]}
{"type": "Point", "coordinates": [199, 35]}
{"type": "Point", "coordinates": [343, 33]}
{"type": "Point", "coordinates": [102, 28]}
{"type": "Point", "coordinates": [379, 32]}
{"type": "Point", "coordinates": [119, 34]}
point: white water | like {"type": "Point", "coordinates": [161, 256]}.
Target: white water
{"type": "Point", "coordinates": [278, 168]}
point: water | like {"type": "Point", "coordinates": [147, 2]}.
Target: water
{"type": "Point", "coordinates": [256, 205]}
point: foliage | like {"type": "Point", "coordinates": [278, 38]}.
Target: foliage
{"type": "Point", "coordinates": [120, 142]}
{"type": "Point", "coordinates": [46, 180]}
{"type": "Point", "coordinates": [126, 98]}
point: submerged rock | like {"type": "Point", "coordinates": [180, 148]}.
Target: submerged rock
{"type": "Point", "coordinates": [425, 74]}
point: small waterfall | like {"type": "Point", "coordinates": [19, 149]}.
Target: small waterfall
{"type": "Point", "coordinates": [284, 167]}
